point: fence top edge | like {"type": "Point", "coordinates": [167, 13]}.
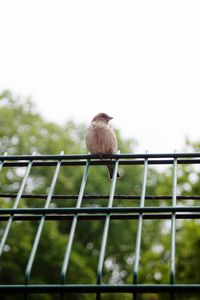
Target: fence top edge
{"type": "Point", "coordinates": [97, 156]}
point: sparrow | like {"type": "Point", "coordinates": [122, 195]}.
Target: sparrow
{"type": "Point", "coordinates": [101, 138]}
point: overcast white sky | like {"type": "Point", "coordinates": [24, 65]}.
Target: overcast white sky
{"type": "Point", "coordinates": [138, 61]}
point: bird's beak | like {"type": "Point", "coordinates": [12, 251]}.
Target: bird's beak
{"type": "Point", "coordinates": [110, 118]}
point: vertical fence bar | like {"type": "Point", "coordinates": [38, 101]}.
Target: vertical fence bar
{"type": "Point", "coordinates": [173, 227]}
{"type": "Point", "coordinates": [16, 202]}
{"type": "Point", "coordinates": [41, 224]}
{"type": "Point", "coordinates": [2, 162]}
{"type": "Point", "coordinates": [106, 228]}
{"type": "Point", "coordinates": [139, 230]}
{"type": "Point", "coordinates": [73, 227]}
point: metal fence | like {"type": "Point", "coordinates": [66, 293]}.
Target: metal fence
{"type": "Point", "coordinates": [76, 213]}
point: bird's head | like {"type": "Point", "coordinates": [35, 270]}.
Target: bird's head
{"type": "Point", "coordinates": [102, 117]}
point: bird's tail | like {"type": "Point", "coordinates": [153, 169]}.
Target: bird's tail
{"type": "Point", "coordinates": [111, 170]}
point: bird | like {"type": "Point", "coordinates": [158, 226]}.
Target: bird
{"type": "Point", "coordinates": [101, 139]}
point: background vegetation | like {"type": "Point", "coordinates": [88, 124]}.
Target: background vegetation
{"type": "Point", "coordinates": [24, 131]}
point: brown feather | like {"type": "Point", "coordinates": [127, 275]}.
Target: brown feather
{"type": "Point", "coordinates": [101, 138]}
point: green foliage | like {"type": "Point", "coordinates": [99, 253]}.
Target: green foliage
{"type": "Point", "coordinates": [24, 131]}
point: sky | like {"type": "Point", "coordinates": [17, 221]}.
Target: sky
{"type": "Point", "coordinates": [138, 61]}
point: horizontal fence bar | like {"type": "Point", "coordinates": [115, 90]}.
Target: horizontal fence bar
{"type": "Point", "coordinates": [100, 197]}
{"type": "Point", "coordinates": [103, 288]}
{"type": "Point", "coordinates": [99, 162]}
{"type": "Point", "coordinates": [91, 217]}
{"type": "Point", "coordinates": [94, 156]}
{"type": "Point", "coordinates": [92, 210]}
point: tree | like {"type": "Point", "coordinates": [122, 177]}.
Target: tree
{"type": "Point", "coordinates": [24, 131]}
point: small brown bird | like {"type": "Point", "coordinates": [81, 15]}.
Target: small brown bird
{"type": "Point", "coordinates": [101, 139]}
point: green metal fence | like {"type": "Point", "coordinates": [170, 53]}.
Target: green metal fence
{"type": "Point", "coordinates": [108, 213]}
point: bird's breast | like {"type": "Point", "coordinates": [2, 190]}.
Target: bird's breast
{"type": "Point", "coordinates": [101, 138]}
